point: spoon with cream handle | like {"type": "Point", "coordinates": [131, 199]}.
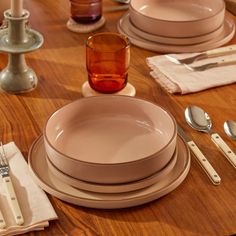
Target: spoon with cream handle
{"type": "Point", "coordinates": [199, 120]}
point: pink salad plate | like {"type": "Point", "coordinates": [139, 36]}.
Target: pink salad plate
{"type": "Point", "coordinates": [115, 188]}
{"type": "Point", "coordinates": [110, 140]}
{"type": "Point", "coordinates": [43, 176]}
{"type": "Point", "coordinates": [182, 18]}
{"type": "Point", "coordinates": [173, 40]}
{"type": "Point", "coordinates": [224, 37]}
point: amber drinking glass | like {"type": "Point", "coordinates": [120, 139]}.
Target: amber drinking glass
{"type": "Point", "coordinates": [86, 11]}
{"type": "Point", "coordinates": [107, 59]}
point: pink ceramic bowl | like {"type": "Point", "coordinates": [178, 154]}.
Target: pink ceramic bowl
{"type": "Point", "coordinates": [110, 139]}
{"type": "Point", "coordinates": [182, 18]}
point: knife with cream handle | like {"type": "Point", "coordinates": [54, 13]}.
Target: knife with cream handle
{"type": "Point", "coordinates": [2, 221]}
{"type": "Point", "coordinates": [222, 62]}
{"type": "Point", "coordinates": [204, 163]}
{"type": "Point", "coordinates": [204, 55]}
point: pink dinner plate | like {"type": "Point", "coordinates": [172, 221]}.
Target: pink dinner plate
{"type": "Point", "coordinates": [173, 40]}
{"type": "Point", "coordinates": [224, 37]}
{"type": "Point", "coordinates": [114, 188]}
{"type": "Point", "coordinates": [54, 186]}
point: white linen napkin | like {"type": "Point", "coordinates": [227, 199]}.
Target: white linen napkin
{"type": "Point", "coordinates": [178, 79]}
{"type": "Point", "coordinates": [34, 203]}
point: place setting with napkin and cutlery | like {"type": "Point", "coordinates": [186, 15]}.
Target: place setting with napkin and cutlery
{"type": "Point", "coordinates": [193, 72]}
{"type": "Point", "coordinates": [24, 207]}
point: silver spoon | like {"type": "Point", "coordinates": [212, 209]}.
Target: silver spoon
{"type": "Point", "coordinates": [230, 129]}
{"type": "Point", "coordinates": [199, 120]}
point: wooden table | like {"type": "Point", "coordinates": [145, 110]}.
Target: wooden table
{"type": "Point", "coordinates": [196, 207]}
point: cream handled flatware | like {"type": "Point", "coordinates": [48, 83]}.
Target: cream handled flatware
{"type": "Point", "coordinates": [204, 55]}
{"type": "Point", "coordinates": [198, 119]}
{"type": "Point", "coordinates": [202, 160]}
{"type": "Point", "coordinates": [2, 221]}
{"type": "Point", "coordinates": [7, 183]}
{"type": "Point", "coordinates": [222, 62]}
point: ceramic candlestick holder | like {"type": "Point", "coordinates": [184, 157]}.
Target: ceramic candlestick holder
{"type": "Point", "coordinates": [16, 39]}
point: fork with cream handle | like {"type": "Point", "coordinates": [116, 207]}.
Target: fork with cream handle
{"type": "Point", "coordinates": [8, 185]}
{"type": "Point", "coordinates": [204, 55]}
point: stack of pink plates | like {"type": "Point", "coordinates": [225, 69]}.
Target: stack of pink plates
{"type": "Point", "coordinates": [177, 26]}
{"type": "Point", "coordinates": [111, 152]}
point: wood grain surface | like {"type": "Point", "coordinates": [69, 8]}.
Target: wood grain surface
{"type": "Point", "coordinates": [196, 207]}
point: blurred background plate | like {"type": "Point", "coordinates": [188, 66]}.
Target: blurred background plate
{"type": "Point", "coordinates": [182, 18]}
{"type": "Point", "coordinates": [224, 37]}
{"type": "Point", "coordinates": [173, 40]}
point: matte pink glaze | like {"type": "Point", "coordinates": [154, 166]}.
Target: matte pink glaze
{"type": "Point", "coordinates": [224, 37]}
{"type": "Point", "coordinates": [172, 40]}
{"type": "Point", "coordinates": [111, 139]}
{"type": "Point", "coordinates": [182, 18]}
{"type": "Point", "coordinates": [115, 188]}
{"type": "Point", "coordinates": [54, 186]}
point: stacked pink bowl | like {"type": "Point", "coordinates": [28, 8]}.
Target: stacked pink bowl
{"type": "Point", "coordinates": [184, 18]}
{"type": "Point", "coordinates": [177, 26]}
{"type": "Point", "coordinates": [110, 140]}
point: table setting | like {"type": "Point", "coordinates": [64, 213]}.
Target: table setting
{"type": "Point", "coordinates": [122, 122]}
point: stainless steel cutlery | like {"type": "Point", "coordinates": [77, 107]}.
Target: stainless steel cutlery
{"type": "Point", "coordinates": [8, 185]}
{"type": "Point", "coordinates": [222, 62]}
{"type": "Point", "coordinates": [204, 55]}
{"type": "Point", "coordinates": [198, 119]}
{"type": "Point", "coordinates": [202, 160]}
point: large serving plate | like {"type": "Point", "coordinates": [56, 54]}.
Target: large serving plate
{"type": "Point", "coordinates": [53, 185]}
{"type": "Point", "coordinates": [225, 36]}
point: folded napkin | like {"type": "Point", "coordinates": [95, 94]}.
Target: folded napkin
{"type": "Point", "coordinates": [36, 207]}
{"type": "Point", "coordinates": [178, 79]}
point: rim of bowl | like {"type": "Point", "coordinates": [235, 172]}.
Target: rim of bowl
{"type": "Point", "coordinates": [179, 22]}
{"type": "Point", "coordinates": [174, 135]}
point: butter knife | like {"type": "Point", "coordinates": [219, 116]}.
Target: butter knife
{"type": "Point", "coordinates": [201, 159]}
